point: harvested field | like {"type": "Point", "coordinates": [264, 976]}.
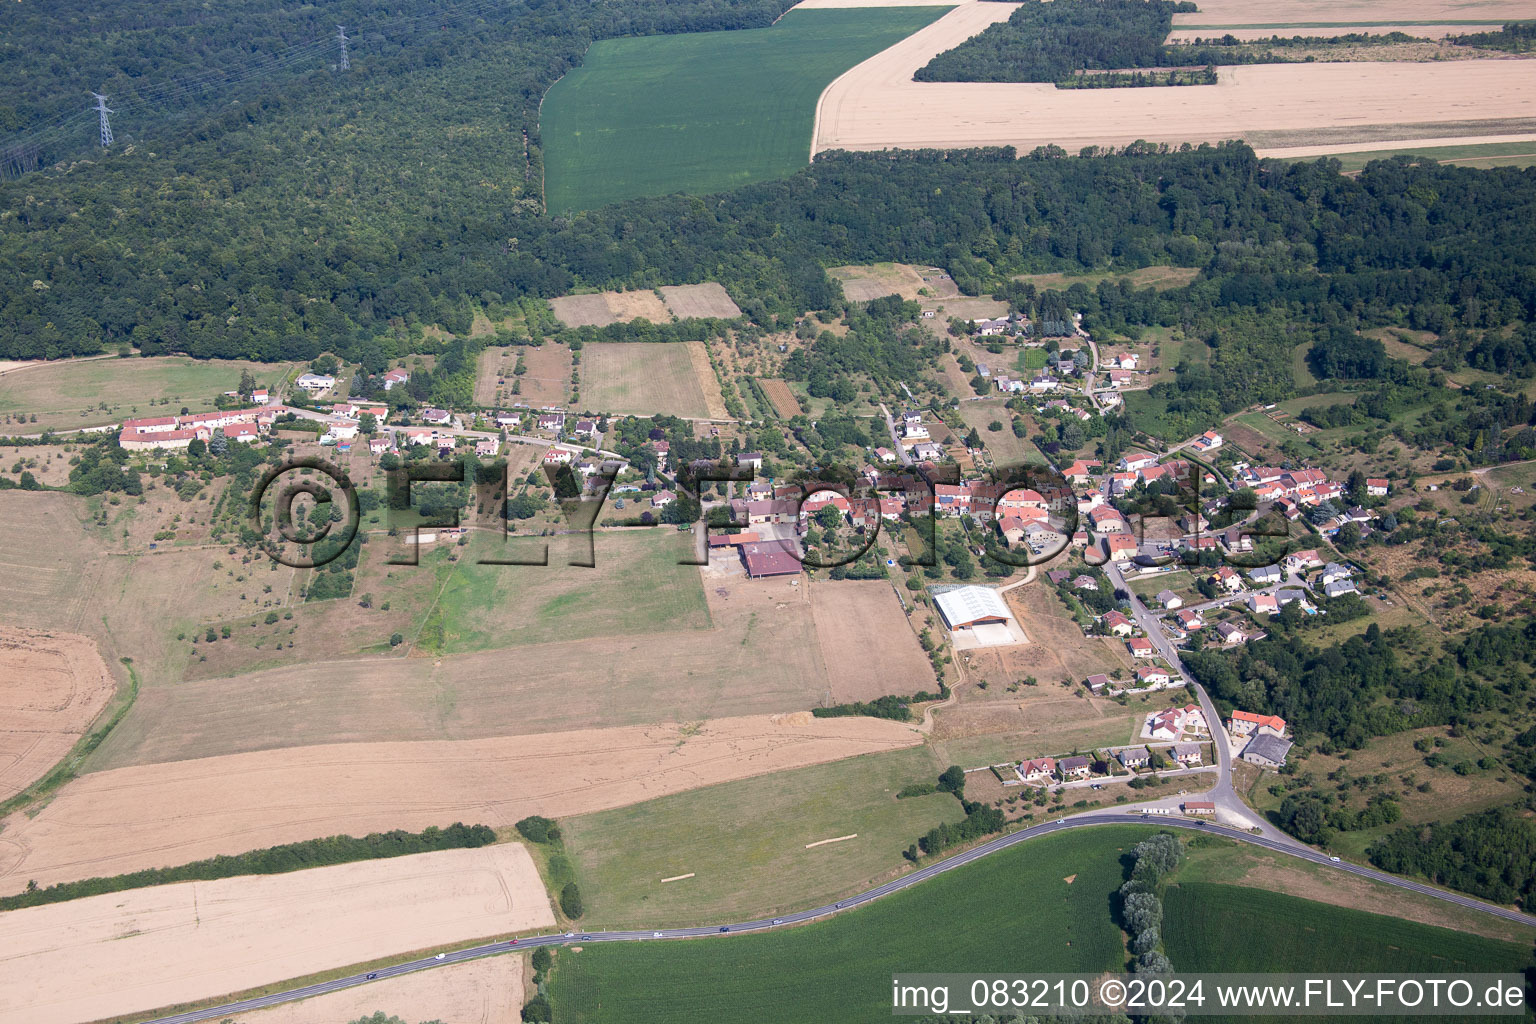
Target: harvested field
{"type": "Point", "coordinates": [662, 671]}
{"type": "Point", "coordinates": [784, 401]}
{"type": "Point", "coordinates": [52, 686]}
{"type": "Point", "coordinates": [869, 649]}
{"type": "Point", "coordinates": [70, 394]}
{"type": "Point", "coordinates": [876, 105]}
{"type": "Point", "coordinates": [709, 299]}
{"type": "Point", "coordinates": [546, 380]}
{"type": "Point", "coordinates": [644, 379]}
{"type": "Point", "coordinates": [166, 814]}
{"type": "Point", "coordinates": [709, 384]}
{"type": "Point", "coordinates": [51, 568]}
{"type": "Point", "coordinates": [85, 960]}
{"type": "Point", "coordinates": [600, 309]}
{"type": "Point", "coordinates": [475, 992]}
{"type": "Point", "coordinates": [877, 280]}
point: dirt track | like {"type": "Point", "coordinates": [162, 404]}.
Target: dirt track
{"type": "Point", "coordinates": [125, 952]}
{"type": "Point", "coordinates": [164, 814]}
{"type": "Point", "coordinates": [876, 105]}
{"type": "Point", "coordinates": [52, 685]}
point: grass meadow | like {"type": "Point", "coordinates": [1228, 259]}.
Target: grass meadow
{"type": "Point", "coordinates": [1012, 911]}
{"type": "Point", "coordinates": [637, 586]}
{"type": "Point", "coordinates": [703, 111]}
{"type": "Point", "coordinates": [744, 841]}
{"type": "Point", "coordinates": [1229, 928]}
{"type": "Point", "coordinates": [75, 393]}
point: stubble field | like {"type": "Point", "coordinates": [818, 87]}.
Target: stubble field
{"type": "Point", "coordinates": [86, 959]}
{"type": "Point", "coordinates": [474, 992]}
{"type": "Point", "coordinates": [645, 379]}
{"type": "Point", "coordinates": [876, 105]}
{"type": "Point", "coordinates": [123, 820]}
{"type": "Point", "coordinates": [52, 686]}
{"type": "Point", "coordinates": [784, 401]}
{"type": "Point", "coordinates": [689, 301]}
{"type": "Point", "coordinates": [877, 280]}
{"type": "Point", "coordinates": [755, 653]}
{"type": "Point", "coordinates": [861, 628]}
{"type": "Point", "coordinates": [599, 309]}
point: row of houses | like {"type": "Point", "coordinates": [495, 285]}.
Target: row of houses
{"type": "Point", "coordinates": [173, 432]}
{"type": "Point", "coordinates": [1185, 755]}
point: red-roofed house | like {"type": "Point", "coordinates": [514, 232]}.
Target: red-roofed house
{"type": "Point", "coordinates": [1037, 769]}
{"type": "Point", "coordinates": [1117, 624]}
{"type": "Point", "coordinates": [1245, 723]}
{"type": "Point", "coordinates": [1120, 547]}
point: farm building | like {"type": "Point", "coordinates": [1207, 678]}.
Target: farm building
{"type": "Point", "coordinates": [1266, 750]}
{"type": "Point", "coordinates": [972, 606]}
{"type": "Point", "coordinates": [978, 617]}
{"type": "Point", "coordinates": [764, 560]}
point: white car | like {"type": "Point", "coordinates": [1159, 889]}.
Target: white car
{"type": "Point", "coordinates": [655, 935]}
{"type": "Point", "coordinates": [1334, 859]}
{"type": "Point", "coordinates": [440, 956]}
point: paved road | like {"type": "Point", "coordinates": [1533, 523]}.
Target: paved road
{"type": "Point", "coordinates": [1085, 820]}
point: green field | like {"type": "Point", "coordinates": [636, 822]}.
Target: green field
{"type": "Point", "coordinates": [1229, 928]}
{"type": "Point", "coordinates": [705, 111]}
{"type": "Point", "coordinates": [1013, 911]}
{"type": "Point", "coordinates": [75, 393]}
{"type": "Point", "coordinates": [637, 586]}
{"type": "Point", "coordinates": [1486, 154]}
{"type": "Point", "coordinates": [745, 841]}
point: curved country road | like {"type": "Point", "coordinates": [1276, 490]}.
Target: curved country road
{"type": "Point", "coordinates": [1087, 819]}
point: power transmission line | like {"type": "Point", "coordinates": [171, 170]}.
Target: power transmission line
{"type": "Point", "coordinates": [279, 60]}
{"type": "Point", "coordinates": [106, 126]}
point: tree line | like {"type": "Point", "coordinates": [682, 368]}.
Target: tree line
{"type": "Point", "coordinates": [274, 860]}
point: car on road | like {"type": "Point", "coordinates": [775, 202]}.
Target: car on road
{"type": "Point", "coordinates": [440, 956]}
{"type": "Point", "coordinates": [511, 942]}
{"type": "Point", "coordinates": [655, 935]}
{"type": "Point", "coordinates": [778, 920]}
{"type": "Point", "coordinates": [371, 976]}
{"type": "Point", "coordinates": [725, 927]}
{"type": "Point", "coordinates": [1334, 859]}
{"type": "Point", "coordinates": [838, 907]}
{"type": "Point", "coordinates": [585, 938]}
{"type": "Point", "coordinates": [570, 935]}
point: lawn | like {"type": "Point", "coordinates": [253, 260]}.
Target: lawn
{"type": "Point", "coordinates": [1012, 911]}
{"type": "Point", "coordinates": [702, 112]}
{"type": "Point", "coordinates": [77, 393]}
{"type": "Point", "coordinates": [637, 586]}
{"type": "Point", "coordinates": [1210, 927]}
{"type": "Point", "coordinates": [744, 842]}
